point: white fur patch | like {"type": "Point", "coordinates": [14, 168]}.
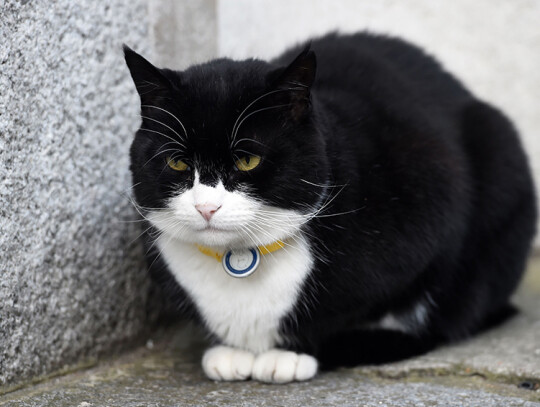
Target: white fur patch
{"type": "Point", "coordinates": [240, 222]}
{"type": "Point", "coordinates": [279, 366]}
{"type": "Point", "coordinates": [244, 313]}
{"type": "Point", "coordinates": [225, 363]}
{"type": "Point", "coordinates": [409, 321]}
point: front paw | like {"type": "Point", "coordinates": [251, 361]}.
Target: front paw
{"type": "Point", "coordinates": [225, 363]}
{"type": "Point", "coordinates": [279, 366]}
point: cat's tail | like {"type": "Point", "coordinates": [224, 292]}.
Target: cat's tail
{"type": "Point", "coordinates": [371, 347]}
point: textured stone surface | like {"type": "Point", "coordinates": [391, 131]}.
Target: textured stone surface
{"type": "Point", "coordinates": [183, 32]}
{"type": "Point", "coordinates": [72, 282]}
{"type": "Point", "coordinates": [167, 372]}
{"type": "Point", "coordinates": [155, 386]}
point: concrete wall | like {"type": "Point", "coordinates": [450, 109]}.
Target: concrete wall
{"type": "Point", "coordinates": [492, 45]}
{"type": "Point", "coordinates": [182, 32]}
{"type": "Point", "coordinates": [72, 282]}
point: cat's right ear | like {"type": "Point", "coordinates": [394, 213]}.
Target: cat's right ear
{"type": "Point", "coordinates": [149, 81]}
{"type": "Point", "coordinates": [297, 79]}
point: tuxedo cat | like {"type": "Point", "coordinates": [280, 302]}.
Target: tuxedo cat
{"type": "Point", "coordinates": [347, 202]}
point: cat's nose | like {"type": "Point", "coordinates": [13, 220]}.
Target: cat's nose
{"type": "Point", "coordinates": [207, 210]}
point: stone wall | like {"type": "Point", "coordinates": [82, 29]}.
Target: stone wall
{"type": "Point", "coordinates": [72, 279]}
{"type": "Point", "coordinates": [183, 32]}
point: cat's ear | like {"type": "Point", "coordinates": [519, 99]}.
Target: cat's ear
{"type": "Point", "coordinates": [149, 81]}
{"type": "Point", "coordinates": [300, 72]}
{"type": "Point", "coordinates": [296, 80]}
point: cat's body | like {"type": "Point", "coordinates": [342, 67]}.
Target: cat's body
{"type": "Point", "coordinates": [405, 205]}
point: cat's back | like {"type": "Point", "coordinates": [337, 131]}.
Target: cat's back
{"type": "Point", "coordinates": [380, 67]}
{"type": "Point", "coordinates": [434, 170]}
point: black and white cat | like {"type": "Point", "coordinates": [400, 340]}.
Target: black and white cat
{"type": "Point", "coordinates": [348, 202]}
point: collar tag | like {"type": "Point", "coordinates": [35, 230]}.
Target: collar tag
{"type": "Point", "coordinates": [241, 262]}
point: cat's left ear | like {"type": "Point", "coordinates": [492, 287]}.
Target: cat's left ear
{"type": "Point", "coordinates": [296, 80]}
{"type": "Point", "coordinates": [149, 81]}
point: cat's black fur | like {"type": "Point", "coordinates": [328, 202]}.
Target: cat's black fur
{"type": "Point", "coordinates": [432, 193]}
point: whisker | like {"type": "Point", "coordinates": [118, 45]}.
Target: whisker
{"type": "Point", "coordinates": [164, 135]}
{"type": "Point", "coordinates": [169, 113]}
{"type": "Point", "coordinates": [163, 124]}
{"type": "Point", "coordinates": [252, 103]}
{"type": "Point", "coordinates": [252, 113]}
{"type": "Point", "coordinates": [158, 153]}
{"type": "Point", "coordinates": [248, 139]}
{"type": "Point", "coordinates": [243, 151]}
{"type": "Point", "coordinates": [322, 185]}
{"type": "Point", "coordinates": [266, 233]}
{"type": "Point", "coordinates": [341, 213]}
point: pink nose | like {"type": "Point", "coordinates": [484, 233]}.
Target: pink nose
{"type": "Point", "coordinates": [207, 210]}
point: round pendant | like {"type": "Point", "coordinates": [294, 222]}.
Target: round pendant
{"type": "Point", "coordinates": [241, 262]}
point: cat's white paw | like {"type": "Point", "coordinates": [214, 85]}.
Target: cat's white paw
{"type": "Point", "coordinates": [279, 366]}
{"type": "Point", "coordinates": [225, 363]}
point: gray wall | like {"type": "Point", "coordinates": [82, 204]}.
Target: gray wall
{"type": "Point", "coordinates": [183, 32]}
{"type": "Point", "coordinates": [72, 282]}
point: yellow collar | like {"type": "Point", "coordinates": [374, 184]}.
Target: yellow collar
{"type": "Point", "coordinates": [269, 248]}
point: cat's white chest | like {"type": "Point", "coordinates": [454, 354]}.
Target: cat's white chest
{"type": "Point", "coordinates": [242, 312]}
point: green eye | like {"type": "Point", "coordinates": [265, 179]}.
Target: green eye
{"type": "Point", "coordinates": [177, 165]}
{"type": "Point", "coordinates": [247, 162]}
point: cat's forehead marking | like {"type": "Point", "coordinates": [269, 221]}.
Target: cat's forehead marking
{"type": "Point", "coordinates": [204, 193]}
{"type": "Point", "coordinates": [207, 175]}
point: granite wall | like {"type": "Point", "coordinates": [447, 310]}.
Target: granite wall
{"type": "Point", "coordinates": [72, 279]}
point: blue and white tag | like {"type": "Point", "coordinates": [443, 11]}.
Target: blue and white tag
{"type": "Point", "coordinates": [241, 262]}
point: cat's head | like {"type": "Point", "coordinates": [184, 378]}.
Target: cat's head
{"type": "Point", "coordinates": [228, 153]}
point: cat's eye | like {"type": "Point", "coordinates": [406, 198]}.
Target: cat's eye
{"type": "Point", "coordinates": [177, 165]}
{"type": "Point", "coordinates": [247, 162]}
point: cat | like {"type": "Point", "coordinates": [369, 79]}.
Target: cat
{"type": "Point", "coordinates": [348, 202]}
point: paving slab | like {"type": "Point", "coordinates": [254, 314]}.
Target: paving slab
{"type": "Point", "coordinates": [499, 368]}
{"type": "Point", "coordinates": [167, 373]}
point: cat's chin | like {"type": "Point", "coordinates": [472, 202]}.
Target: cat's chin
{"type": "Point", "coordinates": [212, 237]}
{"type": "Point", "coordinates": [216, 237]}
{"type": "Point", "coordinates": [221, 238]}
